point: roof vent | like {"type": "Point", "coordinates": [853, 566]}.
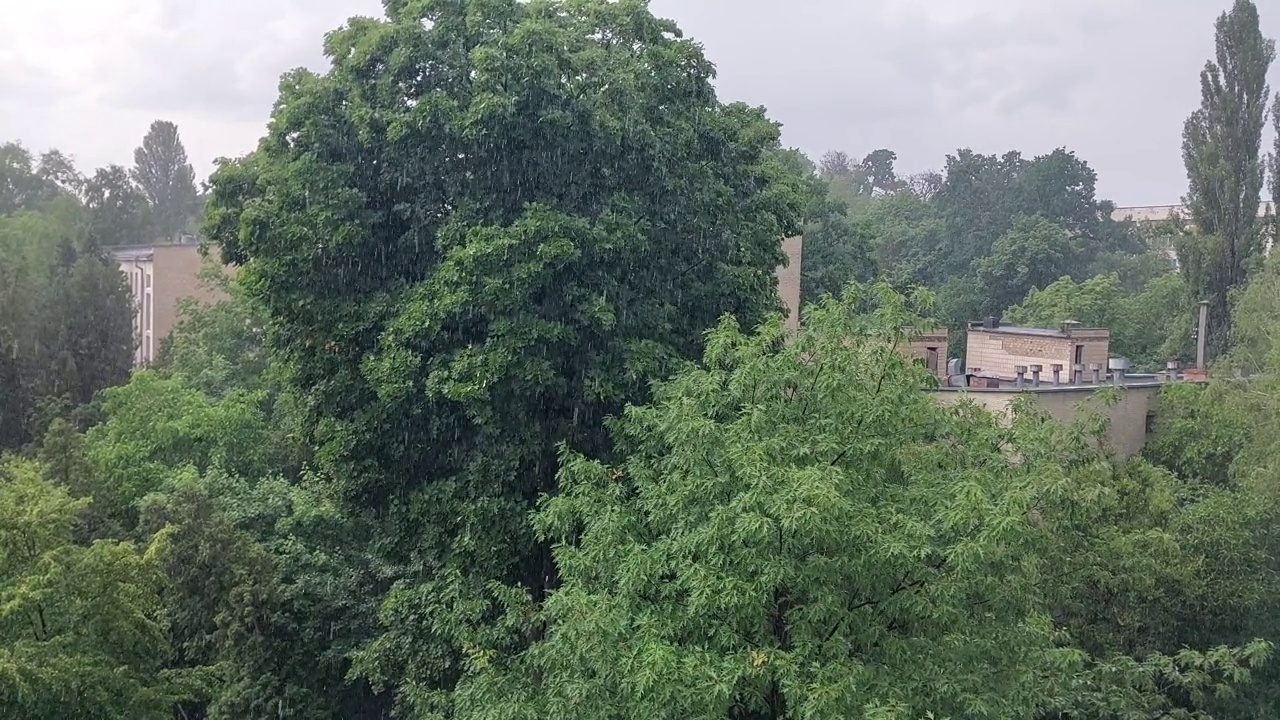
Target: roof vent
{"type": "Point", "coordinates": [991, 323]}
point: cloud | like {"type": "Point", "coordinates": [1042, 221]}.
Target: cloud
{"type": "Point", "coordinates": [1111, 80]}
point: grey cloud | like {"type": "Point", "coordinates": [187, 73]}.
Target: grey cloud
{"type": "Point", "coordinates": [1111, 80]}
{"type": "Point", "coordinates": [225, 59]}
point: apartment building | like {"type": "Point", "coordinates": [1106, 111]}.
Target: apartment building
{"type": "Point", "coordinates": [159, 276]}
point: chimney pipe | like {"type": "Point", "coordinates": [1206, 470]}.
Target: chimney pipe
{"type": "Point", "coordinates": [1020, 373]}
{"type": "Point", "coordinates": [1095, 370]}
{"type": "Point", "coordinates": [1057, 374]}
{"type": "Point", "coordinates": [1119, 366]}
{"type": "Point", "coordinates": [1035, 375]}
{"type": "Point", "coordinates": [1202, 338]}
{"type": "Point", "coordinates": [1077, 374]}
{"type": "Point", "coordinates": [991, 323]}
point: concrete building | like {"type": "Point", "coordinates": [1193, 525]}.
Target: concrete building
{"type": "Point", "coordinates": [1157, 213]}
{"type": "Point", "coordinates": [930, 348]}
{"type": "Point", "coordinates": [1129, 420]}
{"type": "Point", "coordinates": [995, 351]}
{"type": "Point", "coordinates": [789, 280]}
{"type": "Point", "coordinates": [1061, 370]}
{"type": "Point", "coordinates": [1160, 213]}
{"type": "Point", "coordinates": [159, 276]}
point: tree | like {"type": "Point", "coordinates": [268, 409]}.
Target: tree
{"type": "Point", "coordinates": [1221, 142]}
{"type": "Point", "coordinates": [1032, 254]}
{"type": "Point", "coordinates": [1148, 327]}
{"type": "Point", "coordinates": [983, 196]}
{"type": "Point", "coordinates": [1275, 170]}
{"type": "Point", "coordinates": [465, 266]}
{"type": "Point", "coordinates": [28, 184]}
{"type": "Point", "coordinates": [66, 318]}
{"type": "Point", "coordinates": [878, 168]}
{"type": "Point", "coordinates": [796, 530]}
{"type": "Point", "coordinates": [162, 171]}
{"type": "Point", "coordinates": [82, 632]}
{"type": "Point", "coordinates": [119, 212]}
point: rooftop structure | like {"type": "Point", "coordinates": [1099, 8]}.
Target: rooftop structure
{"type": "Point", "coordinates": [930, 348]}
{"type": "Point", "coordinates": [996, 351]}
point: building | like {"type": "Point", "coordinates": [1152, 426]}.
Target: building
{"type": "Point", "coordinates": [1161, 213]}
{"type": "Point", "coordinates": [995, 351]}
{"type": "Point", "coordinates": [930, 348]}
{"type": "Point", "coordinates": [1129, 420]}
{"type": "Point", "coordinates": [789, 280]}
{"type": "Point", "coordinates": [1061, 370]}
{"type": "Point", "coordinates": [1158, 213]}
{"type": "Point", "coordinates": [159, 276]}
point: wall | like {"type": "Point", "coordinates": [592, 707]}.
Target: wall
{"type": "Point", "coordinates": [789, 280]}
{"type": "Point", "coordinates": [1127, 428]}
{"type": "Point", "coordinates": [177, 268]}
{"type": "Point", "coordinates": [998, 352]}
{"type": "Point", "coordinates": [930, 347]}
{"type": "Point", "coordinates": [159, 276]}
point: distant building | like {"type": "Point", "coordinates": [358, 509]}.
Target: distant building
{"type": "Point", "coordinates": [1161, 213]}
{"type": "Point", "coordinates": [159, 276]}
{"type": "Point", "coordinates": [996, 351]}
{"type": "Point", "coordinates": [930, 348]}
{"type": "Point", "coordinates": [1158, 213]}
{"type": "Point", "coordinates": [789, 280]}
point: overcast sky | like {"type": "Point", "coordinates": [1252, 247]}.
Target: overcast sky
{"type": "Point", "coordinates": [1110, 79]}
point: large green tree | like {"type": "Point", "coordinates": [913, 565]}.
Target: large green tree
{"type": "Point", "coordinates": [161, 169]}
{"type": "Point", "coordinates": [120, 213]}
{"type": "Point", "coordinates": [797, 530]}
{"type": "Point", "coordinates": [66, 318]}
{"type": "Point", "coordinates": [487, 227]}
{"type": "Point", "coordinates": [81, 627]}
{"type": "Point", "coordinates": [1221, 145]}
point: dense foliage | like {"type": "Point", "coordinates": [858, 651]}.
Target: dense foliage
{"type": "Point", "coordinates": [499, 418]}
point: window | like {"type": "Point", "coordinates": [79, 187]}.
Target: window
{"type": "Point", "coordinates": [1079, 355]}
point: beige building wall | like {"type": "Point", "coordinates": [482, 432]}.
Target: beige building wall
{"type": "Point", "coordinates": [789, 280]}
{"type": "Point", "coordinates": [999, 351]}
{"type": "Point", "coordinates": [931, 348]}
{"type": "Point", "coordinates": [1128, 420]}
{"type": "Point", "coordinates": [159, 276]}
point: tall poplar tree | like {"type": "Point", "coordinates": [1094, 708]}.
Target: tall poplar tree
{"type": "Point", "coordinates": [1221, 146]}
{"type": "Point", "coordinates": [163, 172]}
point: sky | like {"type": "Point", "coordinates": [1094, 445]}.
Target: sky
{"type": "Point", "coordinates": [1112, 80]}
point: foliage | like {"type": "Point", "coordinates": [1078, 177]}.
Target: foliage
{"type": "Point", "coordinates": [1221, 145]}
{"type": "Point", "coordinates": [66, 319]}
{"type": "Point", "coordinates": [459, 282]}
{"type": "Point", "coordinates": [1030, 255]}
{"type": "Point", "coordinates": [1150, 327]}
{"type": "Point", "coordinates": [81, 627]}
{"type": "Point", "coordinates": [165, 176]}
{"type": "Point", "coordinates": [120, 213]}
{"type": "Point", "coordinates": [798, 531]}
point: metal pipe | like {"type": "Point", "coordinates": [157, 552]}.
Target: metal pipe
{"type": "Point", "coordinates": [1202, 339]}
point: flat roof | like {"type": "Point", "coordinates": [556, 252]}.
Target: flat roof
{"type": "Point", "coordinates": [1139, 380]}
{"type": "Point", "coordinates": [1041, 332]}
